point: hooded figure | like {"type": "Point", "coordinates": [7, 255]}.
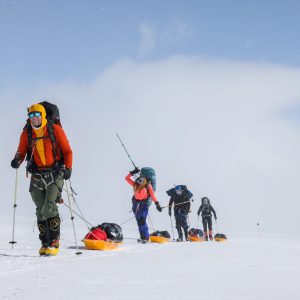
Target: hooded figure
{"type": "Point", "coordinates": [206, 211]}
{"type": "Point", "coordinates": [49, 158]}
{"type": "Point", "coordinates": [181, 199]}
{"type": "Point", "coordinates": [142, 194]}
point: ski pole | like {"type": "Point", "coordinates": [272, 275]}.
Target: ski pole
{"type": "Point", "coordinates": [126, 150]}
{"type": "Point", "coordinates": [79, 216]}
{"type": "Point", "coordinates": [72, 219]}
{"type": "Point", "coordinates": [216, 225]}
{"type": "Point", "coordinates": [172, 228]}
{"type": "Point", "coordinates": [198, 222]}
{"type": "Point", "coordinates": [12, 242]}
{"type": "Point", "coordinates": [258, 230]}
{"type": "Point", "coordinates": [151, 222]}
{"type": "Point", "coordinates": [73, 197]}
{"type": "Point", "coordinates": [177, 204]}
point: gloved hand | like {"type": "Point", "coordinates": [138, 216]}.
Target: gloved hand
{"type": "Point", "coordinates": [15, 163]}
{"type": "Point", "coordinates": [158, 207]}
{"type": "Point", "coordinates": [216, 219]}
{"type": "Point", "coordinates": [135, 171]}
{"type": "Point", "coordinates": [170, 212]}
{"type": "Point", "coordinates": [198, 214]}
{"type": "Point", "coordinates": [66, 173]}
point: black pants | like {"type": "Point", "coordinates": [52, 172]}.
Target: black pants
{"type": "Point", "coordinates": [207, 222]}
{"type": "Point", "coordinates": [181, 221]}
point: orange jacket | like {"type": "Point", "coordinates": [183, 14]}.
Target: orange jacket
{"type": "Point", "coordinates": [62, 144]}
{"type": "Point", "coordinates": [142, 194]}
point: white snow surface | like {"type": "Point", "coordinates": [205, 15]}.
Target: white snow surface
{"type": "Point", "coordinates": [241, 268]}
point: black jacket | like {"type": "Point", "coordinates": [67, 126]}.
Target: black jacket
{"type": "Point", "coordinates": [182, 201]}
{"type": "Point", "coordinates": [206, 211]}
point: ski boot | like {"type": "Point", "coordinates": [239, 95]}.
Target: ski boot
{"type": "Point", "coordinates": [211, 235]}
{"type": "Point", "coordinates": [54, 234]}
{"type": "Point", "coordinates": [180, 237]}
{"type": "Point", "coordinates": [43, 236]}
{"type": "Point", "coordinates": [205, 236]}
{"type": "Point", "coordinates": [53, 249]}
{"type": "Point", "coordinates": [43, 249]}
{"type": "Point", "coordinates": [143, 241]}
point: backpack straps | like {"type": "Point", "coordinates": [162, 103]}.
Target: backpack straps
{"type": "Point", "coordinates": [32, 140]}
{"type": "Point", "coordinates": [147, 188]}
{"type": "Point", "coordinates": [52, 138]}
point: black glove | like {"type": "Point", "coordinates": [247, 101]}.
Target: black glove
{"type": "Point", "coordinates": [170, 212]}
{"type": "Point", "coordinates": [216, 219]}
{"type": "Point", "coordinates": [66, 173]}
{"type": "Point", "coordinates": [158, 207]}
{"type": "Point", "coordinates": [198, 214]}
{"type": "Point", "coordinates": [135, 171]}
{"type": "Point", "coordinates": [15, 163]}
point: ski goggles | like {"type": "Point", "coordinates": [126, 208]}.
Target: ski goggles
{"type": "Point", "coordinates": [34, 114]}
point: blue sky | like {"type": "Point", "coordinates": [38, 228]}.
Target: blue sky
{"type": "Point", "coordinates": [54, 40]}
{"type": "Point", "coordinates": [210, 88]}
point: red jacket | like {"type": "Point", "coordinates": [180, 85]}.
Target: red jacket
{"type": "Point", "coordinates": [142, 194]}
{"type": "Point", "coordinates": [62, 142]}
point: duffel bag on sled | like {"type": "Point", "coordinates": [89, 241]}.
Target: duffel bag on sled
{"type": "Point", "coordinates": [160, 237]}
{"type": "Point", "coordinates": [220, 237]}
{"type": "Point", "coordinates": [107, 236]}
{"type": "Point", "coordinates": [195, 235]}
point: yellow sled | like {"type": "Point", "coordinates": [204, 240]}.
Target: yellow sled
{"type": "Point", "coordinates": [193, 238]}
{"type": "Point", "coordinates": [159, 239]}
{"type": "Point", "coordinates": [217, 239]}
{"type": "Point", "coordinates": [100, 245]}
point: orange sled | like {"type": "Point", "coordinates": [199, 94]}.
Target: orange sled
{"type": "Point", "coordinates": [193, 238]}
{"type": "Point", "coordinates": [100, 245]}
{"type": "Point", "coordinates": [159, 239]}
{"type": "Point", "coordinates": [219, 237]}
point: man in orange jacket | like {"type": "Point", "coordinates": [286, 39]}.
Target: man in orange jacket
{"type": "Point", "coordinates": [49, 158]}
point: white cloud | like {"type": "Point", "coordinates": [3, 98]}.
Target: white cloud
{"type": "Point", "coordinates": [212, 125]}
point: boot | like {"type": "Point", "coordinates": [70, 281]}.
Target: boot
{"type": "Point", "coordinates": [211, 235]}
{"type": "Point", "coordinates": [53, 249]}
{"type": "Point", "coordinates": [180, 237]}
{"type": "Point", "coordinates": [54, 235]}
{"type": "Point", "coordinates": [43, 236]}
{"type": "Point", "coordinates": [205, 236]}
{"type": "Point", "coordinates": [143, 240]}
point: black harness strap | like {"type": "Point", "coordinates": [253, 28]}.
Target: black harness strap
{"type": "Point", "coordinates": [32, 141]}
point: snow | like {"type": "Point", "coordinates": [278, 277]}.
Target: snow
{"type": "Point", "coordinates": [241, 268]}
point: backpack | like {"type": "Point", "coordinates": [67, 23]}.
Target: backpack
{"type": "Point", "coordinates": [165, 234]}
{"type": "Point", "coordinates": [96, 233]}
{"type": "Point", "coordinates": [53, 117]}
{"type": "Point", "coordinates": [171, 192]}
{"type": "Point", "coordinates": [113, 231]}
{"type": "Point", "coordinates": [196, 232]}
{"type": "Point", "coordinates": [149, 174]}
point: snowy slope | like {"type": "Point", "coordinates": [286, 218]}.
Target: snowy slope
{"type": "Point", "coordinates": [238, 269]}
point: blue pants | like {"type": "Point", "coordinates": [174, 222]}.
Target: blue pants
{"type": "Point", "coordinates": [140, 210]}
{"type": "Point", "coordinates": [181, 221]}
